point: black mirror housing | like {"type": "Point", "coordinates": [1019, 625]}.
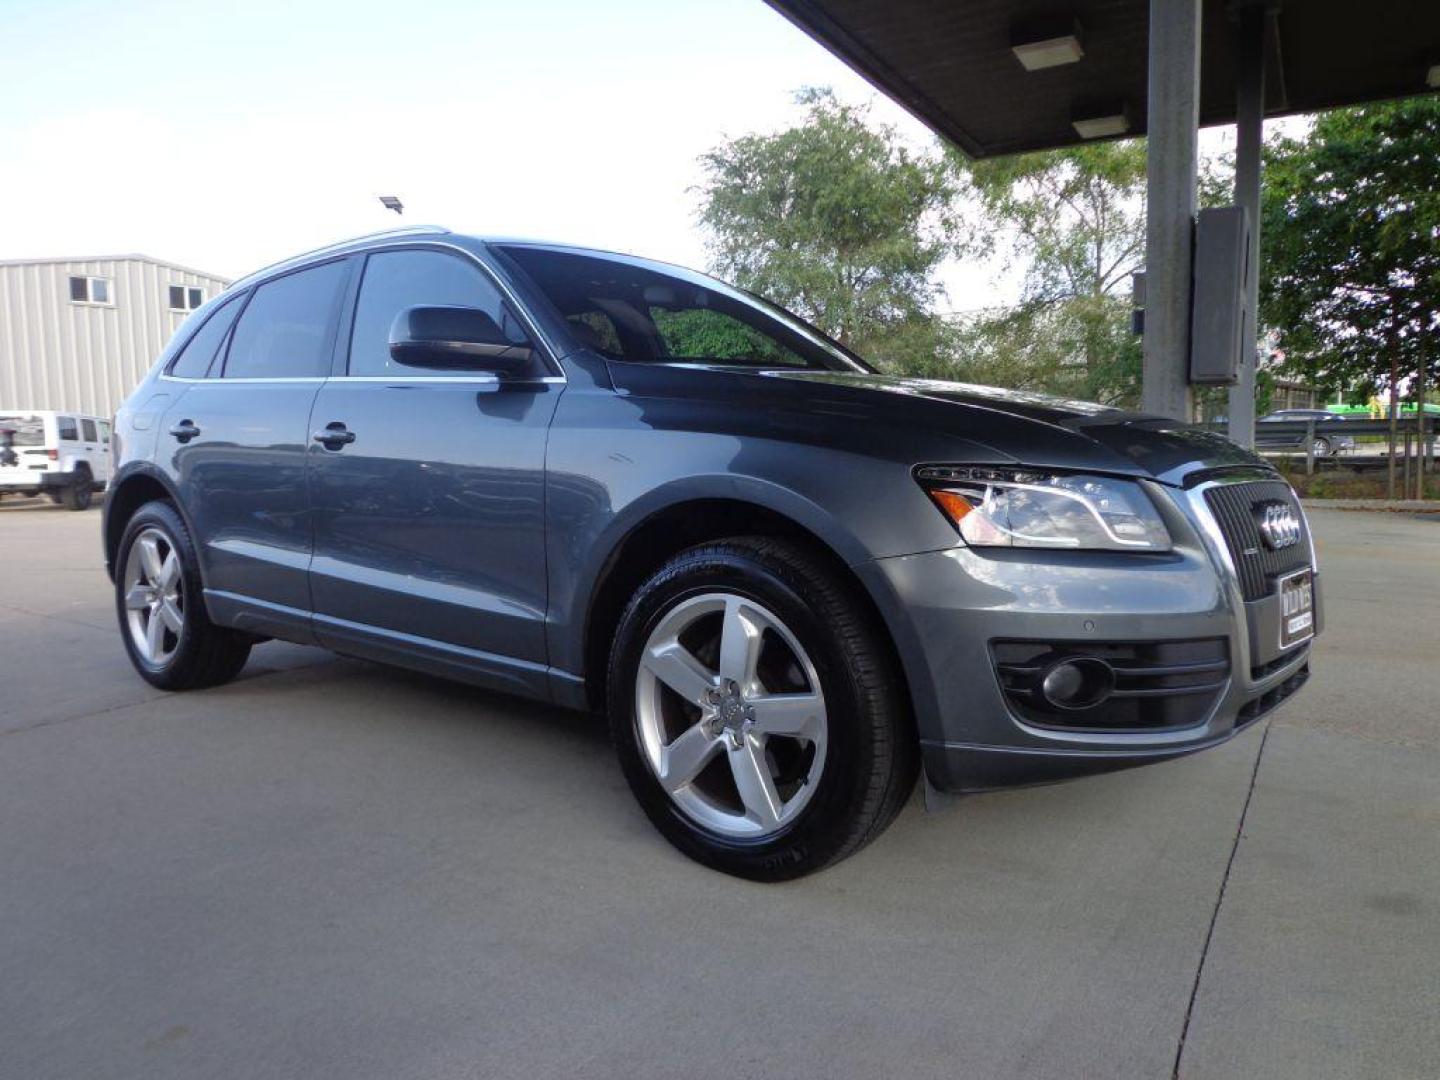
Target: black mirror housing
{"type": "Point", "coordinates": [456, 339]}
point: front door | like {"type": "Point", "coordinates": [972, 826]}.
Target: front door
{"type": "Point", "coordinates": [429, 499]}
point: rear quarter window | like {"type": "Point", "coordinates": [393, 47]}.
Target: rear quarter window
{"type": "Point", "coordinates": [197, 358]}
{"type": "Point", "coordinates": [69, 432]}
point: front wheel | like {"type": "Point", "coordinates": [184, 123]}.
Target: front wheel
{"type": "Point", "coordinates": [1320, 448]}
{"type": "Point", "coordinates": [167, 632]}
{"type": "Point", "coordinates": [756, 711]}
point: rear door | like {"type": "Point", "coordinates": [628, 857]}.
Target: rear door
{"type": "Point", "coordinates": [429, 522]}
{"type": "Point", "coordinates": [235, 442]}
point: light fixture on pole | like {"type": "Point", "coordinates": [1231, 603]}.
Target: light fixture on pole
{"type": "Point", "coordinates": [392, 202]}
{"type": "Point", "coordinates": [1047, 43]}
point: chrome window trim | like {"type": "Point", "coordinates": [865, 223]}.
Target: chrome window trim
{"type": "Point", "coordinates": [248, 379]}
{"type": "Point", "coordinates": [487, 380]}
{"type": "Point", "coordinates": [400, 243]}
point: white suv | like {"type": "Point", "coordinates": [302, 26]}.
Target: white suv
{"type": "Point", "coordinates": [64, 455]}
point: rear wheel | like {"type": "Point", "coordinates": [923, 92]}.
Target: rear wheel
{"type": "Point", "coordinates": [757, 717]}
{"type": "Point", "coordinates": [76, 495]}
{"type": "Point", "coordinates": [1321, 447]}
{"type": "Point", "coordinates": [167, 632]}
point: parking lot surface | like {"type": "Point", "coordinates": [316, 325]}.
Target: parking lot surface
{"type": "Point", "coordinates": [332, 869]}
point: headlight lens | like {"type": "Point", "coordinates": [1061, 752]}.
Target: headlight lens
{"type": "Point", "coordinates": [1020, 508]}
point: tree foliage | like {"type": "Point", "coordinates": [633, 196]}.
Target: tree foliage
{"type": "Point", "coordinates": [838, 220]}
{"type": "Point", "coordinates": [1351, 235]}
{"type": "Point", "coordinates": [1076, 222]}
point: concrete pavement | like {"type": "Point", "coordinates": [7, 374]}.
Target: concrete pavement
{"type": "Point", "coordinates": [330, 869]}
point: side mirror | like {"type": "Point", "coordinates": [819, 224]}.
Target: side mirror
{"type": "Point", "coordinates": [456, 338]}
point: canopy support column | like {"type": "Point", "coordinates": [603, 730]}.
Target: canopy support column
{"type": "Point", "coordinates": [1249, 137]}
{"type": "Point", "coordinates": [1173, 120]}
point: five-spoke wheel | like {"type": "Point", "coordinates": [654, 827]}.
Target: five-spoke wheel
{"type": "Point", "coordinates": [154, 597]}
{"type": "Point", "coordinates": [756, 710]}
{"type": "Point", "coordinates": [730, 714]}
{"type": "Point", "coordinates": [161, 605]}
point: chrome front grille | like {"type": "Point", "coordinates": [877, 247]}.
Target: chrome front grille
{"type": "Point", "coordinates": [1256, 563]}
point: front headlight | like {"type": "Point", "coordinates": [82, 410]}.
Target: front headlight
{"type": "Point", "coordinates": [1022, 508]}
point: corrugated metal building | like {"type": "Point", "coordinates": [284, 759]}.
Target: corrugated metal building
{"type": "Point", "coordinates": [78, 334]}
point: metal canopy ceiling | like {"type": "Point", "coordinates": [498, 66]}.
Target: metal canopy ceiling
{"type": "Point", "coordinates": [950, 61]}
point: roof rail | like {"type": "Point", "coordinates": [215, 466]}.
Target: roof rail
{"type": "Point", "coordinates": [339, 245]}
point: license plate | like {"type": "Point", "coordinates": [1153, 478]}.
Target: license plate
{"type": "Point", "coordinates": [1297, 608]}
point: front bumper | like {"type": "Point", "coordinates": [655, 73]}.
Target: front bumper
{"type": "Point", "coordinates": [948, 609]}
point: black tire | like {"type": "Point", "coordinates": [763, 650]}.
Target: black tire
{"type": "Point", "coordinates": [1321, 447]}
{"type": "Point", "coordinates": [206, 655]}
{"type": "Point", "coordinates": [76, 495]}
{"type": "Point", "coordinates": [871, 762]}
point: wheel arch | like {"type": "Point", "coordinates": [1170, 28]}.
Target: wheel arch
{"type": "Point", "coordinates": [126, 494]}
{"type": "Point", "coordinates": [667, 530]}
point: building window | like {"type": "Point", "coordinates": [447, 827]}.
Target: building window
{"type": "Point", "coordinates": [185, 298]}
{"type": "Point", "coordinates": [90, 290]}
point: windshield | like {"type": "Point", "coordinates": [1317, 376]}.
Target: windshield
{"type": "Point", "coordinates": [631, 310]}
{"type": "Point", "coordinates": [22, 429]}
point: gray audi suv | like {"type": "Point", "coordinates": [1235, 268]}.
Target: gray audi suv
{"type": "Point", "coordinates": [791, 583]}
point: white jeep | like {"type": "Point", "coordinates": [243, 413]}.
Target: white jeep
{"type": "Point", "coordinates": [63, 455]}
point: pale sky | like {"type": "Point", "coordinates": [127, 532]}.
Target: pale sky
{"type": "Point", "coordinates": [224, 136]}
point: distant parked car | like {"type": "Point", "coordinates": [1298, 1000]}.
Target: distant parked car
{"type": "Point", "coordinates": [63, 455]}
{"type": "Point", "coordinates": [1327, 444]}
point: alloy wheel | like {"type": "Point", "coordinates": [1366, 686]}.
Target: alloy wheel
{"type": "Point", "coordinates": [154, 597]}
{"type": "Point", "coordinates": [731, 716]}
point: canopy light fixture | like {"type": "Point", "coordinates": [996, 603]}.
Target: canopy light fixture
{"type": "Point", "coordinates": [1432, 77]}
{"type": "Point", "coordinates": [1046, 42]}
{"type": "Point", "coordinates": [1100, 123]}
{"type": "Point", "coordinates": [391, 202]}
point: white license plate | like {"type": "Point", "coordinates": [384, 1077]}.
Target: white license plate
{"type": "Point", "coordinates": [1297, 608]}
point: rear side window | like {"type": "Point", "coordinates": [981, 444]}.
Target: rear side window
{"type": "Point", "coordinates": [196, 357]}
{"type": "Point", "coordinates": [68, 431]}
{"type": "Point", "coordinates": [87, 428]}
{"type": "Point", "coordinates": [285, 332]}
{"type": "Point", "coordinates": [396, 280]}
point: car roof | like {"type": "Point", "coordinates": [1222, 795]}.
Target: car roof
{"type": "Point", "coordinates": [422, 232]}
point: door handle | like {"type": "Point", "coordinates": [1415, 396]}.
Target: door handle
{"type": "Point", "coordinates": [334, 435]}
{"type": "Point", "coordinates": [185, 430]}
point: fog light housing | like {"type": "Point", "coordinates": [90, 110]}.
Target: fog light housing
{"type": "Point", "coordinates": [1080, 682]}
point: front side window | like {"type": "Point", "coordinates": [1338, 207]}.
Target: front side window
{"type": "Point", "coordinates": [396, 280]}
{"type": "Point", "coordinates": [68, 431]}
{"type": "Point", "coordinates": [87, 429]}
{"type": "Point", "coordinates": [186, 297]}
{"type": "Point", "coordinates": [285, 332]}
{"type": "Point", "coordinates": [630, 310]}
{"type": "Point", "coordinates": [197, 358]}
{"type": "Point", "coordinates": [90, 290]}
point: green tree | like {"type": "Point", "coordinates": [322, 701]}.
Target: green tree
{"type": "Point", "coordinates": [1075, 219]}
{"type": "Point", "coordinates": [1351, 228]}
{"type": "Point", "coordinates": [838, 220]}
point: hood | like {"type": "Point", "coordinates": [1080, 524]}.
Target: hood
{"type": "Point", "coordinates": [1040, 430]}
